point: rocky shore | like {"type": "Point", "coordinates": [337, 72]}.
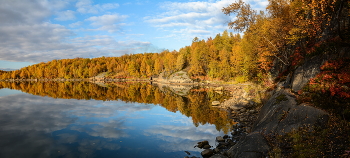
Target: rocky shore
{"type": "Point", "coordinates": [254, 124]}
{"type": "Point", "coordinates": [260, 124]}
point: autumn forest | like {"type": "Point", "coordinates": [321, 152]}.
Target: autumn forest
{"type": "Point", "coordinates": [283, 35]}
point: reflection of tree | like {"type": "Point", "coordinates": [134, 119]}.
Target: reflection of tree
{"type": "Point", "coordinates": [196, 105]}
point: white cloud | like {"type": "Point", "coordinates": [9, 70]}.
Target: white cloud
{"type": "Point", "coordinates": [66, 15]}
{"type": "Point", "coordinates": [201, 18]}
{"type": "Point", "coordinates": [28, 35]}
{"type": "Point", "coordinates": [192, 18]}
{"type": "Point", "coordinates": [86, 6]}
{"type": "Point", "coordinates": [108, 22]}
{"type": "Point", "coordinates": [76, 24]}
{"type": "Point", "coordinates": [17, 12]}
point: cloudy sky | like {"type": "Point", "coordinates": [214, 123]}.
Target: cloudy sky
{"type": "Point", "coordinates": [33, 31]}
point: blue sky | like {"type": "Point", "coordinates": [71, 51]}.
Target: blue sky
{"type": "Point", "coordinates": [33, 31]}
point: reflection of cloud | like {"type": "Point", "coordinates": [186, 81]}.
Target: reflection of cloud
{"type": "Point", "coordinates": [25, 112]}
{"type": "Point", "coordinates": [28, 123]}
{"type": "Point", "coordinates": [39, 145]}
{"type": "Point", "coordinates": [183, 138]}
{"type": "Point", "coordinates": [112, 129]}
{"type": "Point", "coordinates": [185, 132]}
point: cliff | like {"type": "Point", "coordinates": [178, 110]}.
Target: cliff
{"type": "Point", "coordinates": [306, 101]}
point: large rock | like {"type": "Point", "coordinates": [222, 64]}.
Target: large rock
{"type": "Point", "coordinates": [254, 145]}
{"type": "Point", "coordinates": [305, 72]}
{"type": "Point", "coordinates": [176, 77]}
{"type": "Point", "coordinates": [179, 77]}
{"type": "Point", "coordinates": [281, 114]}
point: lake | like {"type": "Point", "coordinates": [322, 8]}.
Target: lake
{"type": "Point", "coordinates": [82, 119]}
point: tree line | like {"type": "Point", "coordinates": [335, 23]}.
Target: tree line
{"type": "Point", "coordinates": [285, 33]}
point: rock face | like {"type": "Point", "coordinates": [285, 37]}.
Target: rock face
{"type": "Point", "coordinates": [281, 114]}
{"type": "Point", "coordinates": [304, 73]}
{"type": "Point", "coordinates": [253, 145]}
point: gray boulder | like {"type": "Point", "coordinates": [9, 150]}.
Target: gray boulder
{"type": "Point", "coordinates": [253, 145]}
{"type": "Point", "coordinates": [281, 114]}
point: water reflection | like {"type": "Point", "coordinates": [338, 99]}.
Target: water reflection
{"type": "Point", "coordinates": [128, 126]}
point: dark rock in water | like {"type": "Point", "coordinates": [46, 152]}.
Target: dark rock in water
{"type": "Point", "coordinates": [233, 133]}
{"type": "Point", "coordinates": [206, 147]}
{"type": "Point", "coordinates": [251, 146]}
{"type": "Point", "coordinates": [202, 144]}
{"type": "Point", "coordinates": [221, 146]}
{"type": "Point", "coordinates": [207, 153]}
{"type": "Point", "coordinates": [205, 142]}
{"type": "Point", "coordinates": [220, 139]}
{"type": "Point", "coordinates": [216, 150]}
{"type": "Point", "coordinates": [188, 153]}
{"type": "Point", "coordinates": [225, 136]}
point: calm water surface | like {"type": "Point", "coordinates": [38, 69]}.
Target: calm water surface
{"type": "Point", "coordinates": [44, 126]}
